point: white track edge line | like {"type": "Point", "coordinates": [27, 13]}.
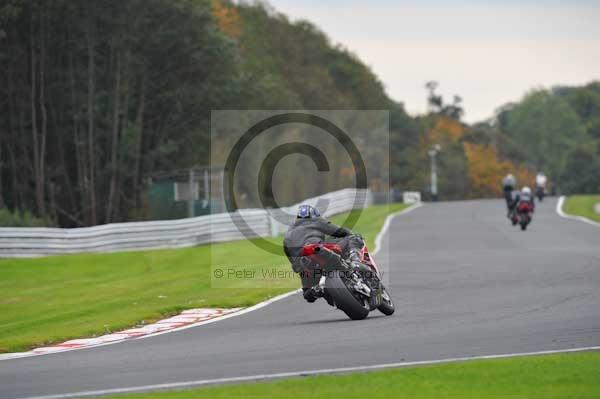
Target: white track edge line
{"type": "Point", "coordinates": [382, 232]}
{"type": "Point", "coordinates": [305, 373]}
{"type": "Point", "coordinates": [378, 239]}
{"type": "Point", "coordinates": [561, 213]}
{"type": "Point", "coordinates": [388, 221]}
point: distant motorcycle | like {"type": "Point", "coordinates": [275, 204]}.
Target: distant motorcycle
{"type": "Point", "coordinates": [511, 202]}
{"type": "Point", "coordinates": [523, 214]}
{"type": "Point", "coordinates": [540, 192]}
{"type": "Point", "coordinates": [512, 215]}
{"type": "Point", "coordinates": [355, 292]}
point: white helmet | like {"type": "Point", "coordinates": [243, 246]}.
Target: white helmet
{"type": "Point", "coordinates": [526, 190]}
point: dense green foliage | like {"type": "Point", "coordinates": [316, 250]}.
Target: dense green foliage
{"type": "Point", "coordinates": [20, 219]}
{"type": "Point", "coordinates": [97, 97]}
{"type": "Point", "coordinates": [102, 94]}
{"type": "Point", "coordinates": [557, 131]}
{"type": "Point", "coordinates": [555, 376]}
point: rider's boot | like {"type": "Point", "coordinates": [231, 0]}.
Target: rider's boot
{"type": "Point", "coordinates": [312, 294]}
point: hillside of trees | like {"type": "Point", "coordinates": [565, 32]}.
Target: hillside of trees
{"type": "Point", "coordinates": [97, 96]}
{"type": "Point", "coordinates": [557, 131]}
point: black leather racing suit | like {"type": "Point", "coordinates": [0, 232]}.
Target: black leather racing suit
{"type": "Point", "coordinates": [311, 231]}
{"type": "Point", "coordinates": [512, 201]}
{"type": "Point", "coordinates": [509, 183]}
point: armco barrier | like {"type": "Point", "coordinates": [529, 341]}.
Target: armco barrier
{"type": "Point", "coordinates": [29, 242]}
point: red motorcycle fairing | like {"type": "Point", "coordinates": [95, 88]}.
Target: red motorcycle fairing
{"type": "Point", "coordinates": [313, 250]}
{"type": "Point", "coordinates": [524, 207]}
{"type": "Point", "coordinates": [367, 259]}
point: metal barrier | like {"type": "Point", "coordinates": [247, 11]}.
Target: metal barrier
{"type": "Point", "coordinates": [38, 241]}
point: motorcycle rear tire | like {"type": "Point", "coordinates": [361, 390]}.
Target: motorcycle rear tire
{"type": "Point", "coordinates": [344, 299]}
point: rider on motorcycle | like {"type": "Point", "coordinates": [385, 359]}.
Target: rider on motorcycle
{"type": "Point", "coordinates": [540, 180]}
{"type": "Point", "coordinates": [526, 196]}
{"type": "Point", "coordinates": [509, 184]}
{"type": "Point", "coordinates": [512, 202]}
{"type": "Point", "coordinates": [540, 185]}
{"type": "Point", "coordinates": [311, 228]}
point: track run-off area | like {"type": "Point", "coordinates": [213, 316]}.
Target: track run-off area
{"type": "Point", "coordinates": [465, 283]}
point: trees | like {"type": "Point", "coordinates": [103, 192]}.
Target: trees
{"type": "Point", "coordinates": [545, 128]}
{"type": "Point", "coordinates": [552, 129]}
{"type": "Point", "coordinates": [101, 94]}
{"type": "Point", "coordinates": [582, 172]}
{"type": "Point", "coordinates": [98, 95]}
{"type": "Point", "coordinates": [436, 102]}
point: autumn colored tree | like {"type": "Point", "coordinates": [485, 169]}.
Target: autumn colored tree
{"type": "Point", "coordinates": [486, 170]}
{"type": "Point", "coordinates": [227, 18]}
{"type": "Point", "coordinates": [466, 168]}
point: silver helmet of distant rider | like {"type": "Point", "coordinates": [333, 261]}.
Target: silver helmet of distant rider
{"type": "Point", "coordinates": [510, 180]}
{"type": "Point", "coordinates": [541, 180]}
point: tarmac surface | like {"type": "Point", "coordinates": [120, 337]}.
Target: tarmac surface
{"type": "Point", "coordinates": [465, 283]}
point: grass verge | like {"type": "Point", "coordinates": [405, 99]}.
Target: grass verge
{"type": "Point", "coordinates": [582, 205]}
{"type": "Point", "coordinates": [553, 376]}
{"type": "Point", "coordinates": [50, 300]}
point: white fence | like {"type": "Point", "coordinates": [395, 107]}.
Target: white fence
{"type": "Point", "coordinates": [29, 242]}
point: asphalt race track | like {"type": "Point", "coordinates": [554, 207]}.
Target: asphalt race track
{"type": "Point", "coordinates": [464, 281]}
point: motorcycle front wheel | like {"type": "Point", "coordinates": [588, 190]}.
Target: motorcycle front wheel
{"type": "Point", "coordinates": [387, 305]}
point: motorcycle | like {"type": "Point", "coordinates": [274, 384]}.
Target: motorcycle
{"type": "Point", "coordinates": [523, 214]}
{"type": "Point", "coordinates": [514, 218]}
{"type": "Point", "coordinates": [355, 292]}
{"type": "Point", "coordinates": [540, 192]}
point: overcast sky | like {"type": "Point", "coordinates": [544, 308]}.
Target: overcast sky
{"type": "Point", "coordinates": [488, 52]}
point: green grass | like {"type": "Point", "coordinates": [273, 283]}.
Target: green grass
{"type": "Point", "coordinates": [582, 205]}
{"type": "Point", "coordinates": [49, 300]}
{"type": "Point", "coordinates": [547, 377]}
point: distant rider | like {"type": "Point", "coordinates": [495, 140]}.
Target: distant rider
{"type": "Point", "coordinates": [511, 203]}
{"type": "Point", "coordinates": [509, 184]}
{"type": "Point", "coordinates": [526, 196]}
{"type": "Point", "coordinates": [311, 228]}
{"type": "Point", "coordinates": [540, 184]}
